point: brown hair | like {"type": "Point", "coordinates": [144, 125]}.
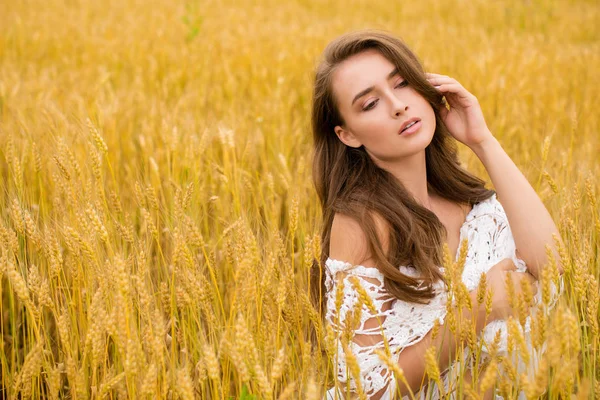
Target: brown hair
{"type": "Point", "coordinates": [347, 181]}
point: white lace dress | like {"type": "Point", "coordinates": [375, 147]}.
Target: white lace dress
{"type": "Point", "coordinates": [489, 241]}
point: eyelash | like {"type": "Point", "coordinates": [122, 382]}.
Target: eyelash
{"type": "Point", "coordinates": [370, 106]}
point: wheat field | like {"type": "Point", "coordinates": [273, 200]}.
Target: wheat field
{"type": "Point", "coordinates": [157, 214]}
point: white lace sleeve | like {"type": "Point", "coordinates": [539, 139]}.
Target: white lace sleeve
{"type": "Point", "coordinates": [490, 240]}
{"type": "Point", "coordinates": [400, 323]}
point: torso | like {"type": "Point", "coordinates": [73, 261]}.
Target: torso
{"type": "Point", "coordinates": [452, 216]}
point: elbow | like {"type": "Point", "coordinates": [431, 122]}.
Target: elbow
{"type": "Point", "coordinates": [536, 265]}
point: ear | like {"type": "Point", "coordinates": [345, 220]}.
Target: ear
{"type": "Point", "coordinates": [347, 137]}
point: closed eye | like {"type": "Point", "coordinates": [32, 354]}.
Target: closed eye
{"type": "Point", "coordinates": [371, 105]}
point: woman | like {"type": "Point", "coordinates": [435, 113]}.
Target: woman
{"type": "Point", "coordinates": [393, 194]}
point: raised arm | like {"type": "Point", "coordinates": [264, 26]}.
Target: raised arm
{"type": "Point", "coordinates": [530, 222]}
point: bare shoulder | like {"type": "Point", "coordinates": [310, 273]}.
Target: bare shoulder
{"type": "Point", "coordinates": [348, 241]}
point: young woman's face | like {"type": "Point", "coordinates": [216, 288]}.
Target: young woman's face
{"type": "Point", "coordinates": [374, 117]}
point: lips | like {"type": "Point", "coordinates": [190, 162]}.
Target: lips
{"type": "Point", "coordinates": [408, 122]}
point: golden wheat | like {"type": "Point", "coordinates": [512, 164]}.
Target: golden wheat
{"type": "Point", "coordinates": [158, 221]}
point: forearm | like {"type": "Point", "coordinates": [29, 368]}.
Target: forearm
{"type": "Point", "coordinates": [412, 359]}
{"type": "Point", "coordinates": [530, 222]}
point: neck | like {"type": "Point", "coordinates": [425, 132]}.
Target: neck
{"type": "Point", "coordinates": [412, 172]}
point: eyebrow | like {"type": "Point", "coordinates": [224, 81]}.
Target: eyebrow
{"type": "Point", "coordinates": [367, 90]}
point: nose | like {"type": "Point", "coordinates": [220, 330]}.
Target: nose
{"type": "Point", "coordinates": [399, 107]}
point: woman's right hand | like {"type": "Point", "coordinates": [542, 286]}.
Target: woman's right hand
{"type": "Point", "coordinates": [496, 281]}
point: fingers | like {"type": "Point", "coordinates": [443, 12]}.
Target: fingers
{"type": "Point", "coordinates": [454, 89]}
{"type": "Point", "coordinates": [433, 75]}
{"type": "Point", "coordinates": [522, 279]}
{"type": "Point", "coordinates": [436, 79]}
{"type": "Point", "coordinates": [519, 278]}
{"type": "Point", "coordinates": [448, 85]}
{"type": "Point", "coordinates": [444, 83]}
{"type": "Point", "coordinates": [532, 282]}
{"type": "Point", "coordinates": [530, 277]}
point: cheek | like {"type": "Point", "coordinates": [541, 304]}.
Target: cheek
{"type": "Point", "coordinates": [433, 121]}
{"type": "Point", "coordinates": [374, 127]}
{"type": "Point", "coordinates": [428, 113]}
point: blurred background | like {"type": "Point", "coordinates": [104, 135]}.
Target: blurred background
{"type": "Point", "coordinates": [157, 214]}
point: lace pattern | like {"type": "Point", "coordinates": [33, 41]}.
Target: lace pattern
{"type": "Point", "coordinates": [403, 324]}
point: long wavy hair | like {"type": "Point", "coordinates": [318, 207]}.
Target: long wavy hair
{"type": "Point", "coordinates": [349, 182]}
